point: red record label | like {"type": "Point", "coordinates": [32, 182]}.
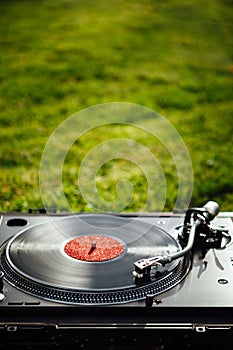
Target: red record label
{"type": "Point", "coordinates": [93, 248]}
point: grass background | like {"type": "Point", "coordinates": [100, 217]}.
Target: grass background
{"type": "Point", "coordinates": [58, 57]}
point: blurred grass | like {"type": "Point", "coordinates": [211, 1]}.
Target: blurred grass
{"type": "Point", "coordinates": [58, 57]}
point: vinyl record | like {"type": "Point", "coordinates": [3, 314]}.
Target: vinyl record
{"type": "Point", "coordinates": [88, 259]}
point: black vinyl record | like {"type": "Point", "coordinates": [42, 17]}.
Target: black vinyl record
{"type": "Point", "coordinates": [36, 260]}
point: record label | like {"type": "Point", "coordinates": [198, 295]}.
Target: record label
{"type": "Point", "coordinates": [93, 248]}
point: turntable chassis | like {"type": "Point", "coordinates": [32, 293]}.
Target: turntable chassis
{"type": "Point", "coordinates": [197, 312]}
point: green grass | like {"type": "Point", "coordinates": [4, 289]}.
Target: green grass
{"type": "Point", "coordinates": [59, 57]}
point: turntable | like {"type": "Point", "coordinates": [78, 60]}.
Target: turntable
{"type": "Point", "coordinates": [117, 280]}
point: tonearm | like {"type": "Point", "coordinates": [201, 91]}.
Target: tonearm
{"type": "Point", "coordinates": [196, 233]}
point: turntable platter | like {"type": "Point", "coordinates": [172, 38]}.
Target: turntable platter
{"type": "Point", "coordinates": [89, 259]}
